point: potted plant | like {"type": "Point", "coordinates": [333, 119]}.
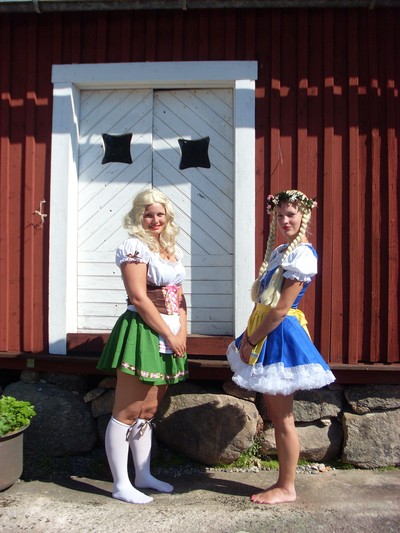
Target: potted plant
{"type": "Point", "coordinates": [15, 417]}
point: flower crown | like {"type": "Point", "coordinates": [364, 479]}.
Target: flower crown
{"type": "Point", "coordinates": [289, 197]}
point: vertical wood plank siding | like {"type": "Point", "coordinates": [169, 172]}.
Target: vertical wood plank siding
{"type": "Point", "coordinates": [327, 122]}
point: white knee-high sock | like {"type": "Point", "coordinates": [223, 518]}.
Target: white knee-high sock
{"type": "Point", "coordinates": [117, 449]}
{"type": "Point", "coordinates": [140, 442]}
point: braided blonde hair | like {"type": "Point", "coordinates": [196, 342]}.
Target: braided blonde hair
{"type": "Point", "coordinates": [270, 296]}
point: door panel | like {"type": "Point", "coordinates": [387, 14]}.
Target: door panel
{"type": "Point", "coordinates": [105, 196]}
{"type": "Point", "coordinates": [202, 198]}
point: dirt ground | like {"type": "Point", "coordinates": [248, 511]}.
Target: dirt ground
{"type": "Point", "coordinates": [208, 502]}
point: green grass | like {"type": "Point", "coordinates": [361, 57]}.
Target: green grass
{"type": "Point", "coordinates": [387, 468]}
{"type": "Point", "coordinates": [250, 458]}
{"type": "Point", "coordinates": [338, 464]}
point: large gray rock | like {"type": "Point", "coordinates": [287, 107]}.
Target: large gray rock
{"type": "Point", "coordinates": [372, 440]}
{"type": "Point", "coordinates": [93, 394]}
{"type": "Point", "coordinates": [30, 376]}
{"type": "Point", "coordinates": [232, 389]}
{"type": "Point", "coordinates": [103, 404]}
{"type": "Point", "coordinates": [77, 383]}
{"type": "Point", "coordinates": [208, 427]}
{"type": "Point", "coordinates": [63, 424]}
{"type": "Point", "coordinates": [321, 441]}
{"type": "Point", "coordinates": [102, 423]}
{"type": "Point", "coordinates": [316, 404]}
{"type": "Point", "coordinates": [109, 382]}
{"type": "Point", "coordinates": [367, 398]}
{"type": "Point", "coordinates": [310, 406]}
{"type": "Point", "coordinates": [318, 442]}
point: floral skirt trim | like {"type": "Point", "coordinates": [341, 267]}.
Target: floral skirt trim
{"type": "Point", "coordinates": [153, 376]}
{"type": "Point", "coordinates": [133, 347]}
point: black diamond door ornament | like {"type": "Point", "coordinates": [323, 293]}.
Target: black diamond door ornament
{"type": "Point", "coordinates": [117, 148]}
{"type": "Point", "coordinates": [194, 153]}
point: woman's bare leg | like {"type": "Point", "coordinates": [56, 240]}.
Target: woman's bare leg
{"type": "Point", "coordinates": [135, 399]}
{"type": "Point", "coordinates": [280, 412]}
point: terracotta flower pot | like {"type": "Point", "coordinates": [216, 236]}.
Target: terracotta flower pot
{"type": "Point", "coordinates": [11, 458]}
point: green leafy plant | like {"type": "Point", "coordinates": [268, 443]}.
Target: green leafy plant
{"type": "Point", "coordinates": [252, 458]}
{"type": "Point", "coordinates": [14, 414]}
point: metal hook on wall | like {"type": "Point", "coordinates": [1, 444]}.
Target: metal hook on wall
{"type": "Point", "coordinates": [40, 212]}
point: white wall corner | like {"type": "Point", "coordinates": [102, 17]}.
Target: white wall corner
{"type": "Point", "coordinates": [63, 208]}
{"type": "Point", "coordinates": [244, 200]}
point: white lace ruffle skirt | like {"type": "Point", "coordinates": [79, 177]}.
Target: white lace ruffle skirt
{"type": "Point", "coordinates": [275, 378]}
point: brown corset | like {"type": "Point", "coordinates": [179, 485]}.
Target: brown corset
{"type": "Point", "coordinates": [157, 297]}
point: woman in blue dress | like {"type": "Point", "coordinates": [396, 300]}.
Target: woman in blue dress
{"type": "Point", "coordinates": [275, 355]}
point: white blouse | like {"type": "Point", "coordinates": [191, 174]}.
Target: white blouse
{"type": "Point", "coordinates": [160, 272]}
{"type": "Point", "coordinates": [301, 264]}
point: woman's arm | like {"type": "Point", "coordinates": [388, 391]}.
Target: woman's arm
{"type": "Point", "coordinates": [182, 317]}
{"type": "Point", "coordinates": [134, 276]}
{"type": "Point", "coordinates": [290, 291]}
{"type": "Point", "coordinates": [245, 335]}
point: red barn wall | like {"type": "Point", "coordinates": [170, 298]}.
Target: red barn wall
{"type": "Point", "coordinates": [327, 122]}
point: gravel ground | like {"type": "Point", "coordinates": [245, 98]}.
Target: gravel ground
{"type": "Point", "coordinates": [74, 496]}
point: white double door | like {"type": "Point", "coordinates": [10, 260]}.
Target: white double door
{"type": "Point", "coordinates": [202, 197]}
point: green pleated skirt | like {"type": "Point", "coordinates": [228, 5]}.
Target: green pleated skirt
{"type": "Point", "coordinates": [133, 348]}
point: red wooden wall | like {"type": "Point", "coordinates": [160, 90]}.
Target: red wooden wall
{"type": "Point", "coordinates": [327, 122]}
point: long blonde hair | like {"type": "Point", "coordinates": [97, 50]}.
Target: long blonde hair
{"type": "Point", "coordinates": [134, 219]}
{"type": "Point", "coordinates": [270, 296]}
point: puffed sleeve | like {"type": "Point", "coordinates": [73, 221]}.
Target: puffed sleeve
{"type": "Point", "coordinates": [132, 251]}
{"type": "Point", "coordinates": [301, 264]}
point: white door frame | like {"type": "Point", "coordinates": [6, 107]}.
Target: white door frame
{"type": "Point", "coordinates": [68, 80]}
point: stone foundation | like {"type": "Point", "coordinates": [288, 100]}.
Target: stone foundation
{"type": "Point", "coordinates": [211, 424]}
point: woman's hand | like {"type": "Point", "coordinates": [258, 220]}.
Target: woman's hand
{"type": "Point", "coordinates": [245, 351]}
{"type": "Point", "coordinates": [289, 292]}
{"type": "Point", "coordinates": [182, 333]}
{"type": "Point", "coordinates": [243, 341]}
{"type": "Point", "coordinates": [177, 344]}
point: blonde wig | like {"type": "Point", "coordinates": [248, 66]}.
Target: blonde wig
{"type": "Point", "coordinates": [270, 296]}
{"type": "Point", "coordinates": [134, 221]}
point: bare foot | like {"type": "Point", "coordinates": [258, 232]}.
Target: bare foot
{"type": "Point", "coordinates": [274, 495]}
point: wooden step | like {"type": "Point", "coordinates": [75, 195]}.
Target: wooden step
{"type": "Point", "coordinates": [201, 367]}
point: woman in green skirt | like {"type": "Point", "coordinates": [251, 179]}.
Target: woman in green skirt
{"type": "Point", "coordinates": [147, 346]}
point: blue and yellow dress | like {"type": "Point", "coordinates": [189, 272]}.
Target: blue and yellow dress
{"type": "Point", "coordinates": [286, 360]}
